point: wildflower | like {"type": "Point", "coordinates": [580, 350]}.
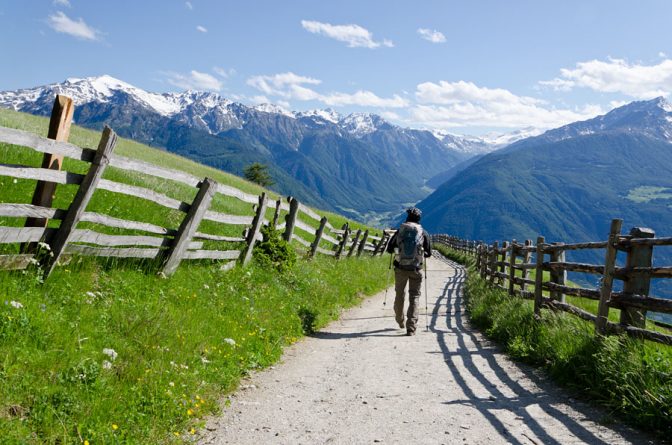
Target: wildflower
{"type": "Point", "coordinates": [204, 360]}
{"type": "Point", "coordinates": [15, 181]}
{"type": "Point", "coordinates": [115, 427]}
{"type": "Point", "coordinates": [107, 365]}
{"type": "Point", "coordinates": [171, 384]}
{"type": "Point", "coordinates": [190, 412]}
{"type": "Point", "coordinates": [86, 442]}
{"type": "Point", "coordinates": [177, 434]}
{"type": "Point", "coordinates": [192, 431]}
{"type": "Point", "coordinates": [111, 353]}
{"type": "Point", "coordinates": [15, 304]}
{"type": "Point", "coordinates": [43, 245]}
{"type": "Point", "coordinates": [205, 286]}
{"type": "Point", "coordinates": [230, 341]}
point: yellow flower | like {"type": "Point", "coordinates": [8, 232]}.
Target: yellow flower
{"type": "Point", "coordinates": [192, 431]}
{"type": "Point", "coordinates": [177, 434]}
{"type": "Point", "coordinates": [86, 442]}
{"type": "Point", "coordinates": [115, 426]}
{"type": "Point", "coordinates": [189, 412]}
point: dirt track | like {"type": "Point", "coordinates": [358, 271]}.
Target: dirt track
{"type": "Point", "coordinates": [360, 381]}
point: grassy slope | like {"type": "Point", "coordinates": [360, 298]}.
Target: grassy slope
{"type": "Point", "coordinates": [181, 342]}
{"type": "Point", "coordinates": [633, 379]}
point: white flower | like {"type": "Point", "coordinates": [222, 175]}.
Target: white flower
{"type": "Point", "coordinates": [111, 353]}
{"type": "Point", "coordinates": [204, 360]}
{"type": "Point", "coordinates": [171, 384]}
{"type": "Point", "coordinates": [15, 304]}
{"type": "Point", "coordinates": [107, 365]}
{"type": "Point", "coordinates": [205, 286]}
{"type": "Point", "coordinates": [42, 245]}
{"type": "Point", "coordinates": [90, 294]}
{"type": "Point", "coordinates": [230, 341]}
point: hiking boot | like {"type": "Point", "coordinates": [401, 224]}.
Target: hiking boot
{"type": "Point", "coordinates": [410, 333]}
{"type": "Point", "coordinates": [401, 324]}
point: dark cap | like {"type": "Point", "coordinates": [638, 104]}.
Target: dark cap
{"type": "Point", "coordinates": [414, 214]}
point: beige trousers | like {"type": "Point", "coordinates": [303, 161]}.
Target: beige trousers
{"type": "Point", "coordinates": [414, 280]}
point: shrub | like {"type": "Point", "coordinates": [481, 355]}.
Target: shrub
{"type": "Point", "coordinates": [274, 251]}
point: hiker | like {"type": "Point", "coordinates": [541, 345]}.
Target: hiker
{"type": "Point", "coordinates": [411, 245]}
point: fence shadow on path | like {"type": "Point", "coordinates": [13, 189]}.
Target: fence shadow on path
{"type": "Point", "coordinates": [466, 346]}
{"type": "Point", "coordinates": [387, 332]}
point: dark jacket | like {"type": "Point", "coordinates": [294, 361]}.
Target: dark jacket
{"type": "Point", "coordinates": [426, 245]}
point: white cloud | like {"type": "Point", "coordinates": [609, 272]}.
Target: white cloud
{"type": "Point", "coordinates": [662, 55]}
{"type": "Point", "coordinates": [223, 72]}
{"type": "Point", "coordinates": [189, 6]}
{"type": "Point", "coordinates": [194, 80]}
{"type": "Point", "coordinates": [290, 86]}
{"type": "Point", "coordinates": [460, 104]}
{"type": "Point", "coordinates": [201, 29]}
{"type": "Point", "coordinates": [433, 36]}
{"type": "Point", "coordinates": [354, 35]}
{"type": "Point", "coordinates": [65, 3]}
{"type": "Point", "coordinates": [617, 76]}
{"type": "Point", "coordinates": [60, 22]}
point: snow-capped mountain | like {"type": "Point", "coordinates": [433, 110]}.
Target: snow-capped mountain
{"type": "Point", "coordinates": [338, 162]}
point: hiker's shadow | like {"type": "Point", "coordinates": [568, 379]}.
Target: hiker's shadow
{"type": "Point", "coordinates": [476, 367]}
{"type": "Point", "coordinates": [388, 332]}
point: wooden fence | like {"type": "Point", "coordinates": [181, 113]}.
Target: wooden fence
{"type": "Point", "coordinates": [169, 245]}
{"type": "Point", "coordinates": [508, 267]}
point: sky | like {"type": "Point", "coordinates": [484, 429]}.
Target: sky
{"type": "Point", "coordinates": [466, 67]}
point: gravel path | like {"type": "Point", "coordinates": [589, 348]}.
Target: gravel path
{"type": "Point", "coordinates": [361, 381]}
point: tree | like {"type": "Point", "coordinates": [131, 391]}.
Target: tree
{"type": "Point", "coordinates": [258, 173]}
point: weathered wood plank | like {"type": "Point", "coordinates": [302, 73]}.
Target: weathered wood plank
{"type": "Point", "coordinates": [625, 243]}
{"type": "Point", "coordinates": [107, 143]}
{"type": "Point", "coordinates": [40, 174]}
{"type": "Point", "coordinates": [326, 252]}
{"type": "Point", "coordinates": [622, 299]}
{"type": "Point", "coordinates": [573, 267]}
{"type": "Point", "coordinates": [144, 193]}
{"type": "Point", "coordinates": [318, 236]}
{"type": "Point", "coordinates": [131, 252]}
{"type": "Point", "coordinates": [583, 292]}
{"type": "Point", "coordinates": [362, 243]}
{"type": "Point", "coordinates": [135, 165]}
{"type": "Point", "coordinates": [212, 254]}
{"type": "Point", "coordinates": [577, 246]}
{"type": "Point", "coordinates": [309, 212]}
{"type": "Point", "coordinates": [102, 239]}
{"type": "Point", "coordinates": [254, 233]}
{"type": "Point", "coordinates": [236, 220]}
{"type": "Point", "coordinates": [228, 266]}
{"type": "Point", "coordinates": [189, 225]}
{"type": "Point", "coordinates": [566, 307]}
{"type": "Point", "coordinates": [109, 221]}
{"type": "Point", "coordinates": [608, 277]}
{"type": "Point", "coordinates": [290, 219]}
{"type": "Point", "coordinates": [15, 262]}
{"type": "Point", "coordinates": [301, 240]}
{"type": "Point", "coordinates": [235, 193]}
{"type": "Point", "coordinates": [207, 236]}
{"type": "Point", "coordinates": [44, 145]}
{"type": "Point", "coordinates": [642, 334]}
{"type": "Point", "coordinates": [30, 211]}
{"type": "Point", "coordinates": [10, 235]}
{"type": "Point", "coordinates": [539, 277]}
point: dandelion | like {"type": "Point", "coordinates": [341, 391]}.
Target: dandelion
{"type": "Point", "coordinates": [86, 442]}
{"type": "Point", "coordinates": [192, 431]}
{"type": "Point", "coordinates": [177, 434]}
{"type": "Point", "coordinates": [115, 427]}
{"type": "Point", "coordinates": [230, 341]}
{"type": "Point", "coordinates": [111, 353]}
{"type": "Point", "coordinates": [15, 304]}
{"type": "Point", "coordinates": [190, 412]}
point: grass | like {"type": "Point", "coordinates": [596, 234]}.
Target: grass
{"type": "Point", "coordinates": [631, 378]}
{"type": "Point", "coordinates": [107, 351]}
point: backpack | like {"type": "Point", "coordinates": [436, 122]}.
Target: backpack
{"type": "Point", "coordinates": [409, 243]}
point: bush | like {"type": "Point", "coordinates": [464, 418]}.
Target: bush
{"type": "Point", "coordinates": [274, 251]}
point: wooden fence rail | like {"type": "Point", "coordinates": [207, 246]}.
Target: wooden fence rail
{"type": "Point", "coordinates": [508, 266]}
{"type": "Point", "coordinates": [169, 245]}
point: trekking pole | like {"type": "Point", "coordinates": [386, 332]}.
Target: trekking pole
{"type": "Point", "coordinates": [387, 286]}
{"type": "Point", "coordinates": [426, 305]}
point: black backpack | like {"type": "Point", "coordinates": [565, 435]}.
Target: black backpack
{"type": "Point", "coordinates": [409, 244]}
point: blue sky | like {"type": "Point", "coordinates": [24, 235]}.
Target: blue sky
{"type": "Point", "coordinates": [462, 66]}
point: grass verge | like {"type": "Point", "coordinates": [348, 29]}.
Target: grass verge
{"type": "Point", "coordinates": [631, 378]}
{"type": "Point", "coordinates": [111, 354]}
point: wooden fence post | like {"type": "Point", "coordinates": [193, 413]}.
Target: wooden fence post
{"type": "Point", "coordinates": [638, 283]}
{"type": "Point", "coordinates": [57, 244]}
{"type": "Point", "coordinates": [502, 267]}
{"type": "Point", "coordinates": [512, 263]}
{"type": "Point", "coordinates": [608, 277]}
{"type": "Point", "coordinates": [527, 257]}
{"type": "Point", "coordinates": [493, 260]}
{"type": "Point", "coordinates": [362, 243]}
{"type": "Point", "coordinates": [381, 243]}
{"type": "Point", "coordinates": [558, 277]}
{"type": "Point", "coordinates": [290, 219]}
{"type": "Point", "coordinates": [318, 237]}
{"type": "Point", "coordinates": [539, 277]}
{"type": "Point", "coordinates": [354, 242]}
{"type": "Point", "coordinates": [59, 130]}
{"type": "Point", "coordinates": [276, 214]}
{"type": "Point", "coordinates": [344, 241]}
{"type": "Point", "coordinates": [189, 225]}
{"type": "Point", "coordinates": [253, 233]}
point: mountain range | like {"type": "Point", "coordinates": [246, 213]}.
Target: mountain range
{"type": "Point", "coordinates": [357, 164]}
